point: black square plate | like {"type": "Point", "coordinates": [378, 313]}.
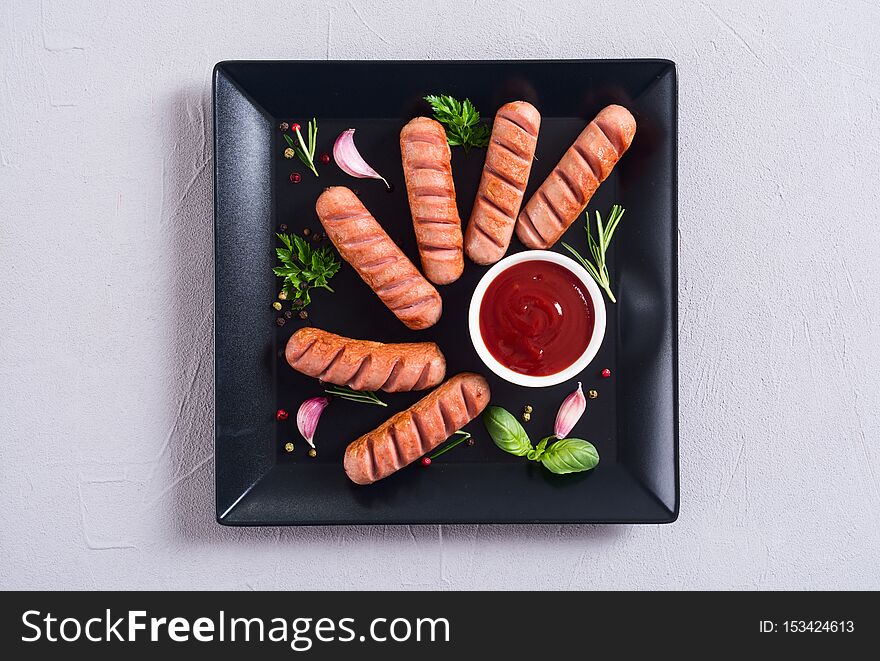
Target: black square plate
{"type": "Point", "coordinates": [633, 422]}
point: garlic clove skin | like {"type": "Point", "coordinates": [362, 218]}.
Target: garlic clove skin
{"type": "Point", "coordinates": [349, 159]}
{"type": "Point", "coordinates": [308, 415]}
{"type": "Point", "coordinates": [570, 411]}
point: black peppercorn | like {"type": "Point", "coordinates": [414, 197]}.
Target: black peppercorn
{"type": "Point", "coordinates": [282, 228]}
{"type": "Point", "coordinates": [316, 237]}
{"type": "Point", "coordinates": [470, 441]}
{"type": "Point", "coordinates": [288, 314]}
{"type": "Point", "coordinates": [283, 126]}
{"type": "Point", "coordinates": [281, 321]}
{"type": "Point", "coordinates": [306, 231]}
{"type": "Point", "coordinates": [303, 314]}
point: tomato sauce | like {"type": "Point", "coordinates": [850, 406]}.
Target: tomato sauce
{"type": "Point", "coordinates": [536, 318]}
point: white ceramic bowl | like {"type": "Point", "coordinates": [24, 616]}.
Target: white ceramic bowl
{"type": "Point", "coordinates": [590, 287]}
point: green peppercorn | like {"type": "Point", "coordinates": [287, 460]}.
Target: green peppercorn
{"type": "Point", "coordinates": [276, 305]}
{"type": "Point", "coordinates": [282, 296]}
{"type": "Point", "coordinates": [592, 394]}
{"type": "Point", "coordinates": [526, 417]}
{"type": "Point", "coordinates": [313, 453]}
{"type": "Point", "coordinates": [527, 408]}
{"type": "Point", "coordinates": [289, 153]}
{"type": "Point", "coordinates": [288, 447]}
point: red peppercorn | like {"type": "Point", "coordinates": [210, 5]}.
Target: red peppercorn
{"type": "Point", "coordinates": [426, 461]}
{"type": "Point", "coordinates": [294, 127]}
{"type": "Point", "coordinates": [295, 177]}
{"type": "Point", "coordinates": [325, 158]}
{"type": "Point", "coordinates": [606, 373]}
{"type": "Point", "coordinates": [281, 414]}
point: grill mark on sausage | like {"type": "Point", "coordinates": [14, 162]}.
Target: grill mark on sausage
{"type": "Point", "coordinates": [395, 451]}
{"type": "Point", "coordinates": [494, 204]}
{"type": "Point", "coordinates": [359, 241]}
{"type": "Point", "coordinates": [468, 404]}
{"type": "Point", "coordinates": [585, 157]}
{"type": "Point", "coordinates": [345, 216]}
{"type": "Point", "coordinates": [296, 358]}
{"type": "Point", "coordinates": [430, 165]}
{"type": "Point", "coordinates": [446, 416]}
{"type": "Point", "coordinates": [494, 241]}
{"type": "Point", "coordinates": [435, 221]}
{"type": "Point", "coordinates": [333, 360]}
{"type": "Point", "coordinates": [379, 262]}
{"type": "Point", "coordinates": [421, 434]}
{"type": "Point", "coordinates": [530, 224]}
{"type": "Point", "coordinates": [608, 138]}
{"type": "Point", "coordinates": [518, 124]}
{"type": "Point", "coordinates": [553, 212]}
{"type": "Point", "coordinates": [435, 249]}
{"type": "Point", "coordinates": [395, 284]}
{"type": "Point", "coordinates": [570, 186]}
{"type": "Point", "coordinates": [506, 178]}
{"type": "Point", "coordinates": [432, 191]}
{"type": "Point", "coordinates": [427, 139]}
{"type": "Point", "coordinates": [373, 470]}
{"type": "Point", "coordinates": [414, 304]}
{"type": "Point", "coordinates": [391, 381]}
{"type": "Point", "coordinates": [508, 148]}
{"type": "Point", "coordinates": [423, 377]}
{"type": "Point", "coordinates": [363, 367]}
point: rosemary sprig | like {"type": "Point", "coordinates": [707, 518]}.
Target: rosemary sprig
{"type": "Point", "coordinates": [362, 396]}
{"type": "Point", "coordinates": [463, 436]}
{"type": "Point", "coordinates": [599, 267]}
{"type": "Point", "coordinates": [306, 153]}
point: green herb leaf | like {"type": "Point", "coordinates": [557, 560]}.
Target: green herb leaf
{"type": "Point", "coordinates": [598, 247]}
{"type": "Point", "coordinates": [570, 455]}
{"type": "Point", "coordinates": [304, 268]}
{"type": "Point", "coordinates": [461, 121]}
{"type": "Point", "coordinates": [506, 431]}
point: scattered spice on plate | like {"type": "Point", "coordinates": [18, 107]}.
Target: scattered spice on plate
{"type": "Point", "coordinates": [306, 231]}
{"type": "Point", "coordinates": [288, 314]}
{"type": "Point", "coordinates": [527, 408]}
{"type": "Point", "coordinates": [282, 227]}
{"type": "Point", "coordinates": [593, 394]}
{"type": "Point", "coordinates": [606, 373]}
{"type": "Point", "coordinates": [426, 461]}
{"type": "Point", "coordinates": [281, 415]}
{"type": "Point", "coordinates": [280, 321]}
{"type": "Point", "coordinates": [283, 126]}
{"type": "Point", "coordinates": [325, 159]}
{"type": "Point", "coordinates": [526, 416]}
{"type": "Point", "coordinates": [303, 314]}
{"type": "Point", "coordinates": [295, 177]}
{"type": "Point", "coordinates": [276, 305]}
{"type": "Point", "coordinates": [289, 153]}
{"type": "Point", "coordinates": [288, 447]}
{"type": "Point", "coordinates": [282, 295]}
{"type": "Point", "coordinates": [313, 453]}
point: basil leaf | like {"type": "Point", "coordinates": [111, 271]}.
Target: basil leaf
{"type": "Point", "coordinates": [570, 455]}
{"type": "Point", "coordinates": [506, 431]}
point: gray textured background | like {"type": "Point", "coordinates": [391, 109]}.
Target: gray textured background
{"type": "Point", "coordinates": [106, 272]}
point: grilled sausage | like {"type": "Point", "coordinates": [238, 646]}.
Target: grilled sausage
{"type": "Point", "coordinates": [365, 365]}
{"type": "Point", "coordinates": [405, 437]}
{"type": "Point", "coordinates": [566, 192]}
{"type": "Point", "coordinates": [505, 175]}
{"type": "Point", "coordinates": [428, 173]}
{"type": "Point", "coordinates": [364, 244]}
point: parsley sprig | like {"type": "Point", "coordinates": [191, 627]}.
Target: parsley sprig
{"type": "Point", "coordinates": [304, 268]}
{"type": "Point", "coordinates": [599, 247]}
{"type": "Point", "coordinates": [461, 120]}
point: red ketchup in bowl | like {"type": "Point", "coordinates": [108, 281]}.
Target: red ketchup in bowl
{"type": "Point", "coordinates": [536, 318]}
